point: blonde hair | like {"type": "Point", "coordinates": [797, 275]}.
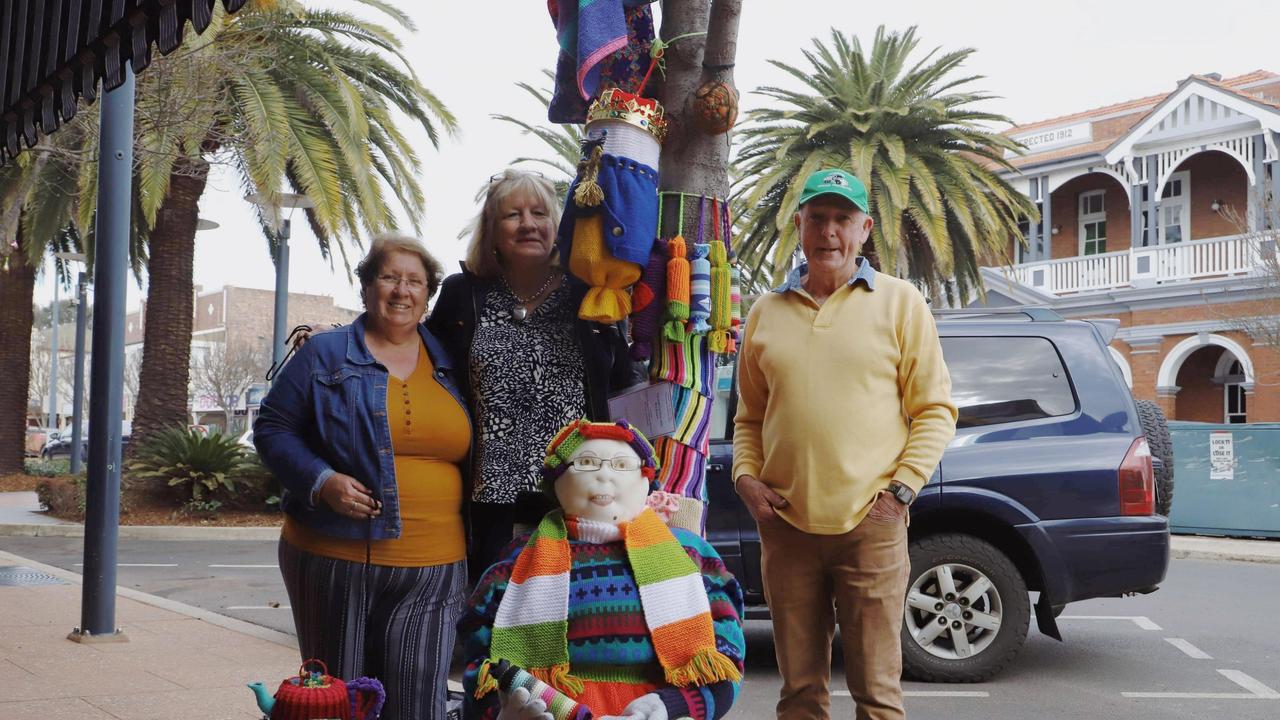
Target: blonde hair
{"type": "Point", "coordinates": [482, 255]}
{"type": "Point", "coordinates": [387, 243]}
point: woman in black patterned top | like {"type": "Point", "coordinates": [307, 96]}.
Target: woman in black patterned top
{"type": "Point", "coordinates": [511, 317]}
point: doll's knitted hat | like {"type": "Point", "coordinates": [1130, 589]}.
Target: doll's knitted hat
{"type": "Point", "coordinates": [571, 437]}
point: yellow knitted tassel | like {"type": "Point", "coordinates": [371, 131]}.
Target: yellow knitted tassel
{"type": "Point", "coordinates": [589, 192]}
{"type": "Point", "coordinates": [721, 299]}
{"type": "Point", "coordinates": [558, 677]}
{"type": "Point", "coordinates": [677, 290]}
{"type": "Point", "coordinates": [485, 682]}
{"type": "Point", "coordinates": [704, 668]}
{"type": "Point", "coordinates": [607, 301]}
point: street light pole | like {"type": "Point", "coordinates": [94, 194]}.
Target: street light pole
{"type": "Point", "coordinates": [271, 205]}
{"type": "Point", "coordinates": [77, 403]}
{"type": "Point", "coordinates": [111, 265]}
{"type": "Point", "coordinates": [53, 351]}
{"type": "Point", "coordinates": [281, 331]}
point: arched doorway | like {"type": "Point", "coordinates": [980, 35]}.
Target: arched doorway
{"type": "Point", "coordinates": [1209, 376]}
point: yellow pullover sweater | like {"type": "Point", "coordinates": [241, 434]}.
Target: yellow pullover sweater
{"type": "Point", "coordinates": [835, 401]}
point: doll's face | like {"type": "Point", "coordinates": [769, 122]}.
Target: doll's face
{"type": "Point", "coordinates": [613, 492]}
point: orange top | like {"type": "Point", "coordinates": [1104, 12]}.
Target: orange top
{"type": "Point", "coordinates": [430, 436]}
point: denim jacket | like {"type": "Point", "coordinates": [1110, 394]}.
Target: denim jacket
{"type": "Point", "coordinates": [327, 413]}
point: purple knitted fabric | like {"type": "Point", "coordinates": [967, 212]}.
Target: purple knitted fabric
{"type": "Point", "coordinates": [647, 301]}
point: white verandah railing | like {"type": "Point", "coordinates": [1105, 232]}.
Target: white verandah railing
{"type": "Point", "coordinates": [1145, 266]}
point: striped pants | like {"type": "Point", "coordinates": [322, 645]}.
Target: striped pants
{"type": "Point", "coordinates": [402, 632]}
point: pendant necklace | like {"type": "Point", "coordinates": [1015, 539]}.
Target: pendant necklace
{"type": "Point", "coordinates": [518, 311]}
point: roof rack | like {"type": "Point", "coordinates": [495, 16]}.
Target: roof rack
{"type": "Point", "coordinates": [1031, 313]}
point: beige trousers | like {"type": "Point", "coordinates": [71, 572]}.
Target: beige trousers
{"type": "Point", "coordinates": [858, 578]}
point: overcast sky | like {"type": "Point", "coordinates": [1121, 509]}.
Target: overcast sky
{"type": "Point", "coordinates": [1043, 59]}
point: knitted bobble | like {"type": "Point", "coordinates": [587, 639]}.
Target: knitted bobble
{"type": "Point", "coordinates": [721, 297]}
{"type": "Point", "coordinates": [647, 303]}
{"type": "Point", "coordinates": [677, 290]}
{"type": "Point", "coordinates": [700, 289]}
{"type": "Point", "coordinates": [735, 308]}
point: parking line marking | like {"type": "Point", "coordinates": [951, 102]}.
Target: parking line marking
{"type": "Point", "coordinates": [259, 607]}
{"type": "Point", "coordinates": [1190, 650]}
{"type": "Point", "coordinates": [1140, 620]}
{"type": "Point", "coordinates": [1248, 683]}
{"type": "Point", "coordinates": [1257, 690]}
{"type": "Point", "coordinates": [139, 564]}
{"type": "Point", "coordinates": [928, 693]}
{"type": "Point", "coordinates": [248, 567]}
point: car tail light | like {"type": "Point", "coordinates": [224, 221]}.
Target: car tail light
{"type": "Point", "coordinates": [1137, 480]}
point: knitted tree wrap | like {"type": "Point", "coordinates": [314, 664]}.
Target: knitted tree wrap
{"type": "Point", "coordinates": [721, 298]}
{"type": "Point", "coordinates": [735, 308]}
{"type": "Point", "coordinates": [590, 261]}
{"type": "Point", "coordinates": [677, 290]}
{"type": "Point", "coordinates": [647, 300]}
{"type": "Point", "coordinates": [699, 289]}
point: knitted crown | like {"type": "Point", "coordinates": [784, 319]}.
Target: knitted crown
{"type": "Point", "coordinates": [571, 436]}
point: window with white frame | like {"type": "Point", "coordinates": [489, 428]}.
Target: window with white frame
{"type": "Point", "coordinates": [1234, 402]}
{"type": "Point", "coordinates": [1175, 209]}
{"type": "Point", "coordinates": [1093, 222]}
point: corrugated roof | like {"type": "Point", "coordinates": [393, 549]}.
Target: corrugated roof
{"type": "Point", "coordinates": [54, 52]}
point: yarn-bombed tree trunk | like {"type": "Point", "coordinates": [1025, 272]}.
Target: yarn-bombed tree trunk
{"type": "Point", "coordinates": [694, 182]}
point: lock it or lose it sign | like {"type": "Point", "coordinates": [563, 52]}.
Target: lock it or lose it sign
{"type": "Point", "coordinates": [1222, 460]}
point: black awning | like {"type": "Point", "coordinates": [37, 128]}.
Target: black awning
{"type": "Point", "coordinates": [55, 51]}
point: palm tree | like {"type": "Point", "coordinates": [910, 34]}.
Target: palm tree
{"type": "Point", "coordinates": [565, 141]}
{"type": "Point", "coordinates": [929, 158]}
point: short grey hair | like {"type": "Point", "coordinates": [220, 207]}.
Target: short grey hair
{"type": "Point", "coordinates": [482, 257]}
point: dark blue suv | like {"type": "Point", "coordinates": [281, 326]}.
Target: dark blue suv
{"type": "Point", "coordinates": [1057, 482]}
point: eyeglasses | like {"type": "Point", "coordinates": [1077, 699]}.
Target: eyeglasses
{"type": "Point", "coordinates": [413, 283]}
{"type": "Point", "coordinates": [622, 463]}
{"type": "Point", "coordinates": [515, 173]}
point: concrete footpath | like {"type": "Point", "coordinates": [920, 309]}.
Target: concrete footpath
{"type": "Point", "coordinates": [179, 661]}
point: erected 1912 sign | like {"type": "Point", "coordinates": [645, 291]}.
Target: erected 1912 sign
{"type": "Point", "coordinates": [1042, 140]}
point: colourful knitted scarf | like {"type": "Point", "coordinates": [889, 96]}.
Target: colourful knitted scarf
{"type": "Point", "coordinates": [532, 623]}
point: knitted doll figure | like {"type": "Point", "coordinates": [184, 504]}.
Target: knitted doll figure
{"type": "Point", "coordinates": [604, 602]}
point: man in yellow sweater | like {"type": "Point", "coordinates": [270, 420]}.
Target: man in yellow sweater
{"type": "Point", "coordinates": [844, 410]}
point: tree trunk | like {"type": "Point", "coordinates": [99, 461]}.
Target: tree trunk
{"type": "Point", "coordinates": [694, 162]}
{"type": "Point", "coordinates": [17, 284]}
{"type": "Point", "coordinates": [166, 349]}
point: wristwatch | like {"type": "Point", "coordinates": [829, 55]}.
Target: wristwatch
{"type": "Point", "coordinates": [901, 493]}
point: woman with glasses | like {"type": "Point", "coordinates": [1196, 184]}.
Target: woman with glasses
{"type": "Point", "coordinates": [368, 431]}
{"type": "Point", "coordinates": [530, 364]}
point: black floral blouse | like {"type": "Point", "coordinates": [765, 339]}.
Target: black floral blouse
{"type": "Point", "coordinates": [527, 378]}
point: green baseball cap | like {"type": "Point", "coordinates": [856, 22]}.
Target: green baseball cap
{"type": "Point", "coordinates": [835, 182]}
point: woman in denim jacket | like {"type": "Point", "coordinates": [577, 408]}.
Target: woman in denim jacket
{"type": "Point", "coordinates": [367, 430]}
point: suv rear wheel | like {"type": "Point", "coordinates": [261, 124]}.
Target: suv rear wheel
{"type": "Point", "coordinates": [1156, 428]}
{"type": "Point", "coordinates": [966, 613]}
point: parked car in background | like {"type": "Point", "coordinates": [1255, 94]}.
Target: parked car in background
{"type": "Point", "coordinates": [1050, 486]}
{"type": "Point", "coordinates": [61, 446]}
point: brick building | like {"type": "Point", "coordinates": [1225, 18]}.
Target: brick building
{"type": "Point", "coordinates": [1161, 212]}
{"type": "Point", "coordinates": [231, 322]}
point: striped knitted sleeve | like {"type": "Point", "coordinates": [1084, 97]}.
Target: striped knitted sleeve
{"type": "Point", "coordinates": [475, 631]}
{"type": "Point", "coordinates": [712, 702]}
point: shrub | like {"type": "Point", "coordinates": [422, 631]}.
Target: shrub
{"type": "Point", "coordinates": [62, 496]}
{"type": "Point", "coordinates": [202, 469]}
{"type": "Point", "coordinates": [47, 468]}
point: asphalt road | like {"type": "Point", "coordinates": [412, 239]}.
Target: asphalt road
{"type": "Point", "coordinates": [1204, 646]}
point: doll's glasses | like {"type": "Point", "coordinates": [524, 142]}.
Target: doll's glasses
{"type": "Point", "coordinates": [622, 463]}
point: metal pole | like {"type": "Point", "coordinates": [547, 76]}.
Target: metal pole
{"type": "Point", "coordinates": [281, 332]}
{"type": "Point", "coordinates": [53, 350]}
{"type": "Point", "coordinates": [77, 402]}
{"type": "Point", "coordinates": [102, 491]}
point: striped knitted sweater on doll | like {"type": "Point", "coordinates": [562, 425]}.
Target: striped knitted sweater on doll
{"type": "Point", "coordinates": [610, 647]}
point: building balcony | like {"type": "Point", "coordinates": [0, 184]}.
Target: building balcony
{"type": "Point", "coordinates": [1216, 258]}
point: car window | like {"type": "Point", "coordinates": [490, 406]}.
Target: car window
{"type": "Point", "coordinates": [1006, 379]}
{"type": "Point", "coordinates": [720, 419]}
